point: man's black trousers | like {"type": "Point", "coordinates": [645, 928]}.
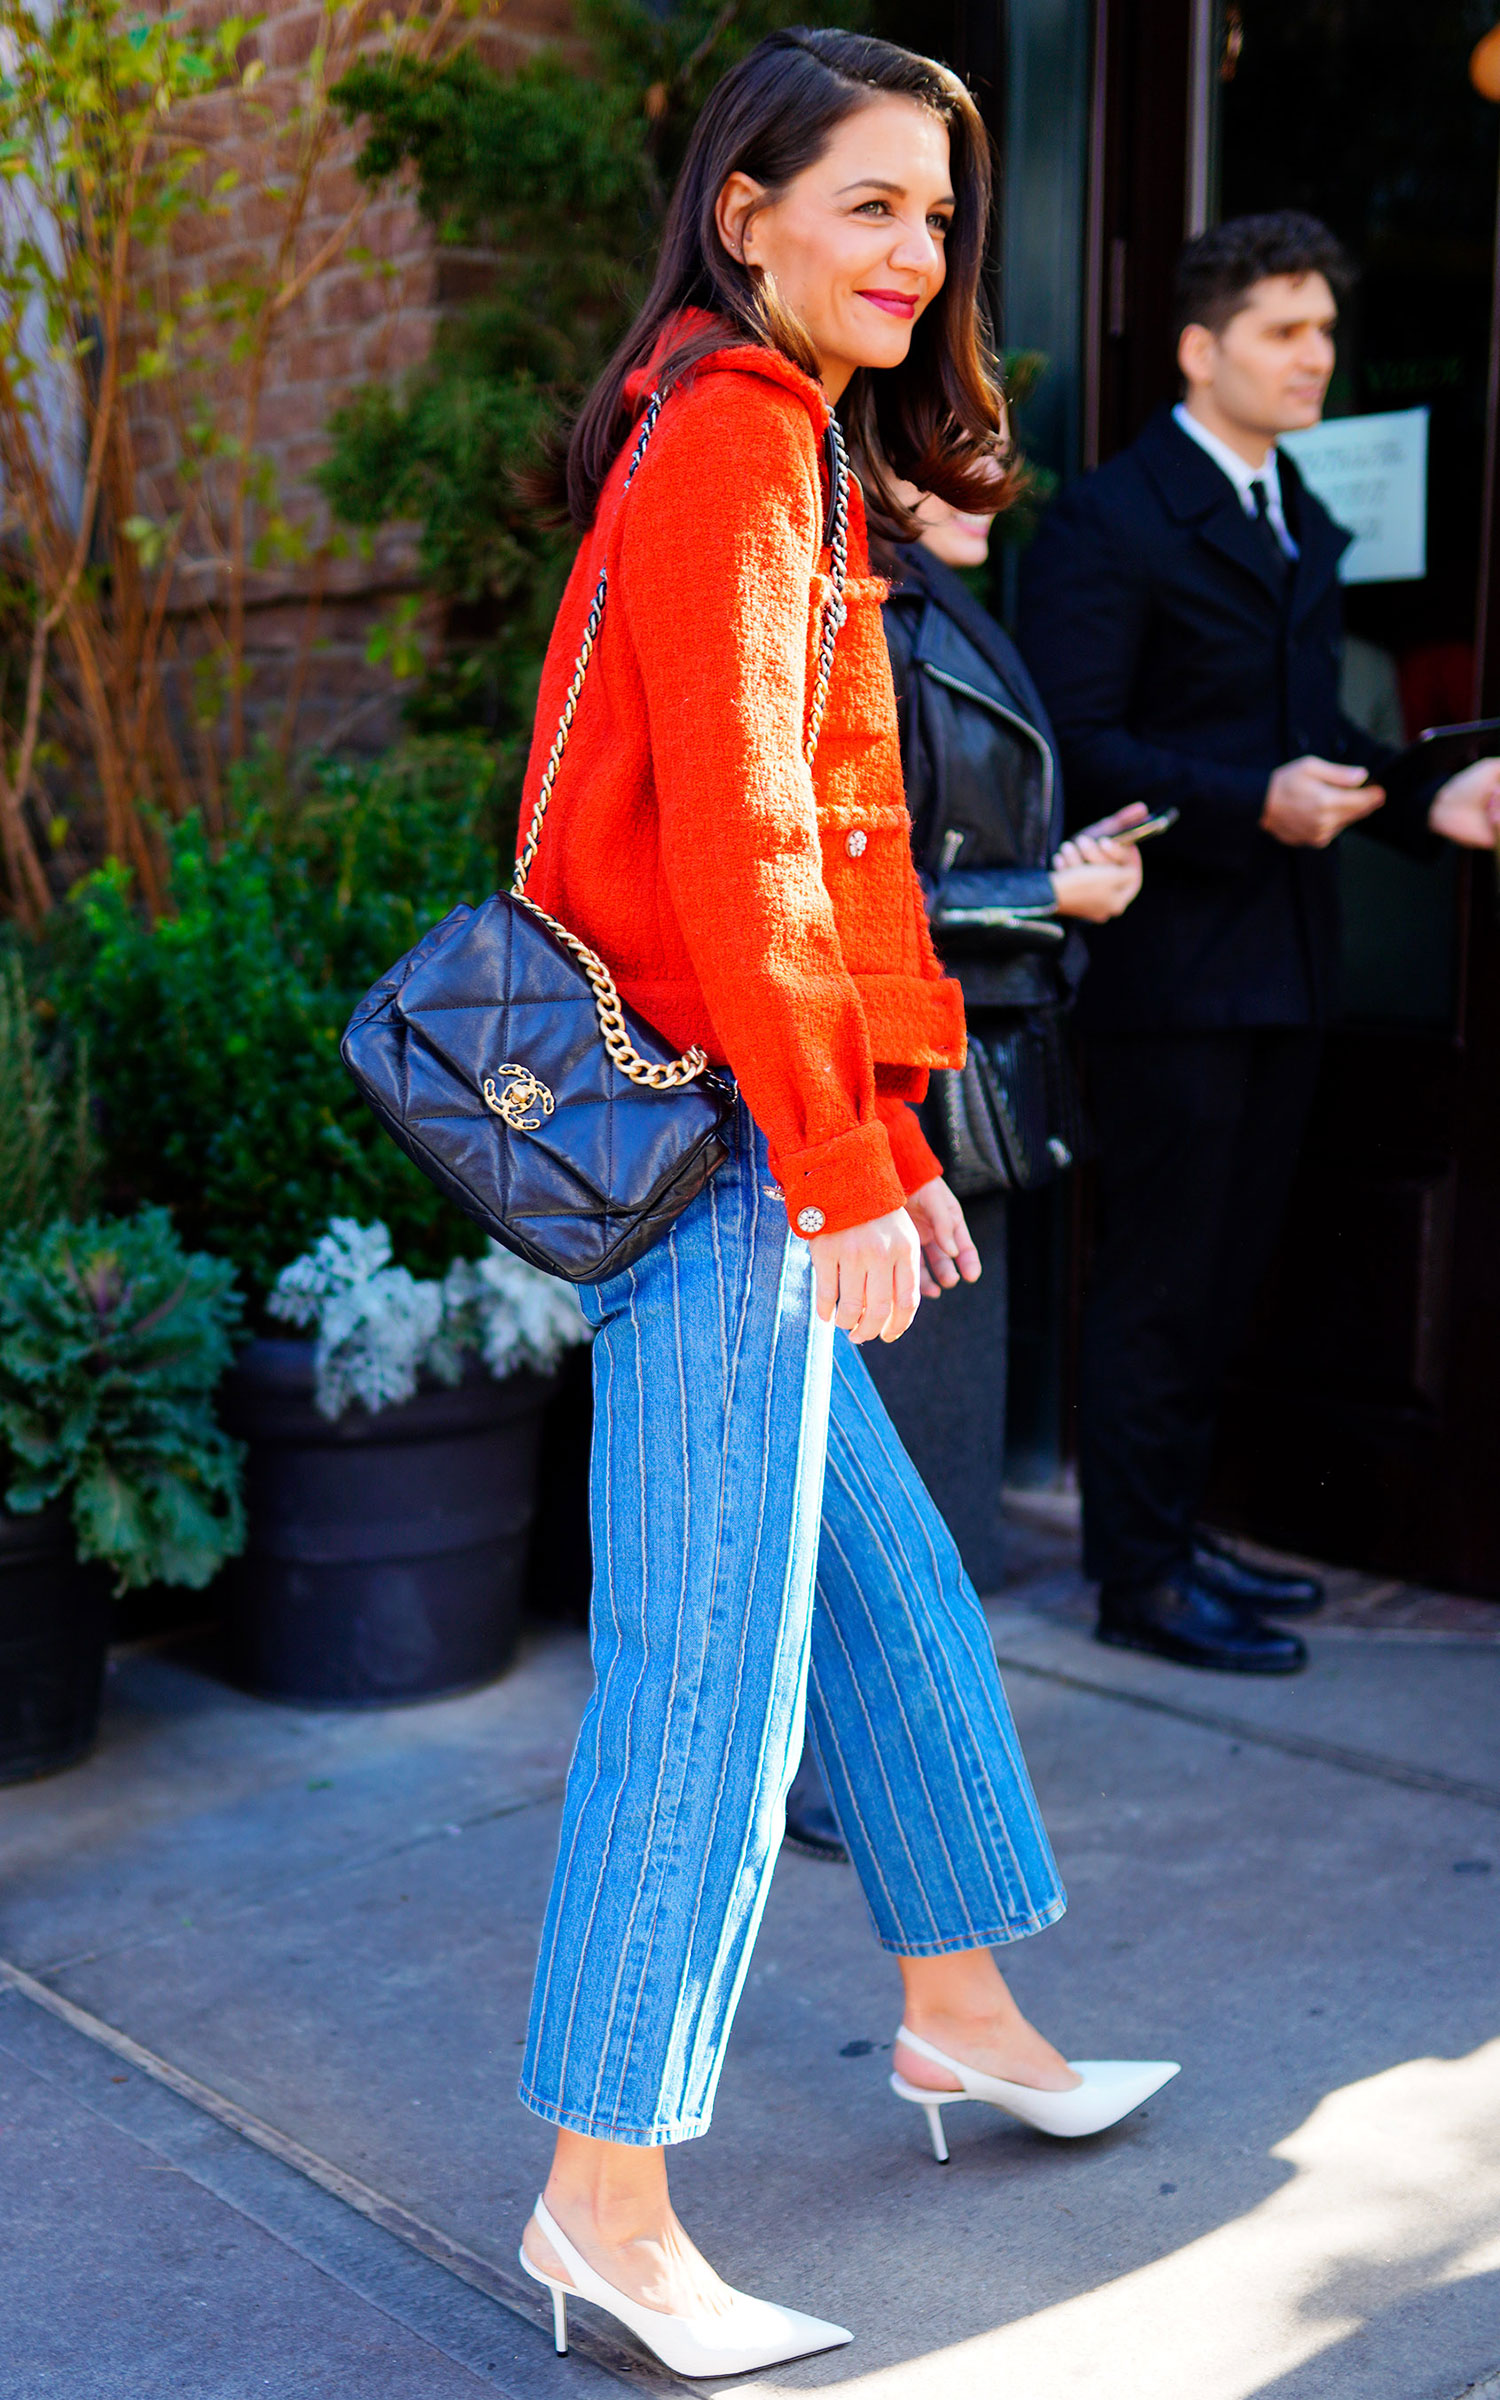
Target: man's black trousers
{"type": "Point", "coordinates": [1198, 1135]}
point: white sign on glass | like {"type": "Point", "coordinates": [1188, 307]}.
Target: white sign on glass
{"type": "Point", "coordinates": [1371, 475]}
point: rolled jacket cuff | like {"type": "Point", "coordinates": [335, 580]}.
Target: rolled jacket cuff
{"type": "Point", "coordinates": [840, 1183]}
{"type": "Point", "coordinates": [911, 1156]}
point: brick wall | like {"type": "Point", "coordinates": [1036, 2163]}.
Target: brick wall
{"type": "Point", "coordinates": [359, 319]}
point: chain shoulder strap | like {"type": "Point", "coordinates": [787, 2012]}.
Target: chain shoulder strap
{"type": "Point", "coordinates": [835, 611]}
{"type": "Point", "coordinates": [672, 1074]}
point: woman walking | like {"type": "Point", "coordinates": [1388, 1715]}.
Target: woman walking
{"type": "Point", "coordinates": [823, 248]}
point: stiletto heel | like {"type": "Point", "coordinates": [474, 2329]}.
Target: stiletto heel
{"type": "Point", "coordinates": [730, 2341]}
{"type": "Point", "coordinates": [1110, 2089]}
{"type": "Point", "coordinates": [934, 2109]}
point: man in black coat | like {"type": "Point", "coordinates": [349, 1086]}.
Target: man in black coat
{"type": "Point", "coordinates": [1182, 618]}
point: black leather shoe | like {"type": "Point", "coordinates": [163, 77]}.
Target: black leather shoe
{"type": "Point", "coordinates": [1180, 1618]}
{"type": "Point", "coordinates": [811, 1825]}
{"type": "Point", "coordinates": [1220, 1569]}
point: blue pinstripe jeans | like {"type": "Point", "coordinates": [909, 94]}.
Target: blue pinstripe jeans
{"type": "Point", "coordinates": [759, 1535]}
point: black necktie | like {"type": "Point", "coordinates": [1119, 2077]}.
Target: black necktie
{"type": "Point", "coordinates": [1267, 530]}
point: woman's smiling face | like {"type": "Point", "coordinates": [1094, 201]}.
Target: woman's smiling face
{"type": "Point", "coordinates": [854, 244]}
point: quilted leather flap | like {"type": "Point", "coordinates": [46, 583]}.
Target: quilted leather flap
{"type": "Point", "coordinates": [390, 983]}
{"type": "Point", "coordinates": [532, 1057]}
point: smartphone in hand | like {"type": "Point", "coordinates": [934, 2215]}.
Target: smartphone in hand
{"type": "Point", "coordinates": [1149, 826]}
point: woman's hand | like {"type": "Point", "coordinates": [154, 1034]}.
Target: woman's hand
{"type": "Point", "coordinates": [947, 1250]}
{"type": "Point", "coordinates": [1120, 822]}
{"type": "Point", "coordinates": [868, 1276]}
{"type": "Point", "coordinates": [1094, 877]}
{"type": "Point", "coordinates": [1467, 809]}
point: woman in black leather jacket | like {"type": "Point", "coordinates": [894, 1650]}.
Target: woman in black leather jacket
{"type": "Point", "coordinates": [984, 790]}
{"type": "Point", "coordinates": [982, 778]}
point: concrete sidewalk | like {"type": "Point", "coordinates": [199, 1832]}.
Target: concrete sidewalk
{"type": "Point", "coordinates": [270, 2143]}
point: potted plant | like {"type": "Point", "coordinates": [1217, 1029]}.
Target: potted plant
{"type": "Point", "coordinates": [112, 1339]}
{"type": "Point", "coordinates": [214, 1027]}
{"type": "Point", "coordinates": [391, 1482]}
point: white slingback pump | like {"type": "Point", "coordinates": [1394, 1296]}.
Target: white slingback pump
{"type": "Point", "coordinates": [1110, 2089]}
{"type": "Point", "coordinates": [749, 2333]}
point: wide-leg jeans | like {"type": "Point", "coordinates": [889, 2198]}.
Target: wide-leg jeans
{"type": "Point", "coordinates": [761, 1540]}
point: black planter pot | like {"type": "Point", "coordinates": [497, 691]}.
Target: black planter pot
{"type": "Point", "coordinates": [386, 1553]}
{"type": "Point", "coordinates": [54, 1626]}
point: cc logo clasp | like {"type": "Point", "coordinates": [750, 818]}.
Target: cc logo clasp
{"type": "Point", "coordinates": [516, 1099]}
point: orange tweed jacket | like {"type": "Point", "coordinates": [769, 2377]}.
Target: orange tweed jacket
{"type": "Point", "coordinates": [771, 914]}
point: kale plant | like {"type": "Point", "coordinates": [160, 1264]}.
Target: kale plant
{"type": "Point", "coordinates": [112, 1339]}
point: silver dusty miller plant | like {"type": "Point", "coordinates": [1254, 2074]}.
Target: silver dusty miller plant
{"type": "Point", "coordinates": [379, 1329]}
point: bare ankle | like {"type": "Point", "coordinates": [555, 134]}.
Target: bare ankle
{"type": "Point", "coordinates": [611, 2192]}
{"type": "Point", "coordinates": [609, 2217]}
{"type": "Point", "coordinates": [933, 2018]}
{"type": "Point", "coordinates": [959, 1987]}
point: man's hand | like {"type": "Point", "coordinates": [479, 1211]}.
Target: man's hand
{"type": "Point", "coordinates": [1467, 809]}
{"type": "Point", "coordinates": [868, 1276]}
{"type": "Point", "coordinates": [1310, 801]}
{"type": "Point", "coordinates": [947, 1250]}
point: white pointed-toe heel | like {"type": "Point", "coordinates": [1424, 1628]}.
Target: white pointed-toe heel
{"type": "Point", "coordinates": [749, 2333]}
{"type": "Point", "coordinates": [1110, 2089]}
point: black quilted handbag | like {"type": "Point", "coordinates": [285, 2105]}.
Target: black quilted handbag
{"type": "Point", "coordinates": [1011, 1118]}
{"type": "Point", "coordinates": [500, 1057]}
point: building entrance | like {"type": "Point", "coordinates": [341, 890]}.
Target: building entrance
{"type": "Point", "coordinates": [1363, 1423]}
{"type": "Point", "coordinates": [1365, 1420]}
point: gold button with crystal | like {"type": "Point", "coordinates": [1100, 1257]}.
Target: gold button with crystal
{"type": "Point", "coordinates": [810, 1220]}
{"type": "Point", "coordinates": [856, 843]}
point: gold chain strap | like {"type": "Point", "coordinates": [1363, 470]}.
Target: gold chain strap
{"type": "Point", "coordinates": [673, 1073]}
{"type": "Point", "coordinates": [835, 612]}
{"type": "Point", "coordinates": [611, 1015]}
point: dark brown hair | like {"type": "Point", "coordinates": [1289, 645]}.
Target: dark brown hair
{"type": "Point", "coordinates": [1217, 270]}
{"type": "Point", "coordinates": [938, 419]}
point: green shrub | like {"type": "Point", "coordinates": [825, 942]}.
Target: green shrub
{"type": "Point", "coordinates": [48, 1156]}
{"type": "Point", "coordinates": [112, 1339]}
{"type": "Point", "coordinates": [214, 1031]}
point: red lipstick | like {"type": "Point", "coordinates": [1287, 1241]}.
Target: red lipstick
{"type": "Point", "coordinates": [895, 304]}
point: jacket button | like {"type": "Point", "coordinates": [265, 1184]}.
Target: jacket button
{"type": "Point", "coordinates": [810, 1220]}
{"type": "Point", "coordinates": [856, 843]}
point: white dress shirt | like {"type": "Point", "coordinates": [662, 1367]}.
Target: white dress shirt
{"type": "Point", "coordinates": [1242, 475]}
